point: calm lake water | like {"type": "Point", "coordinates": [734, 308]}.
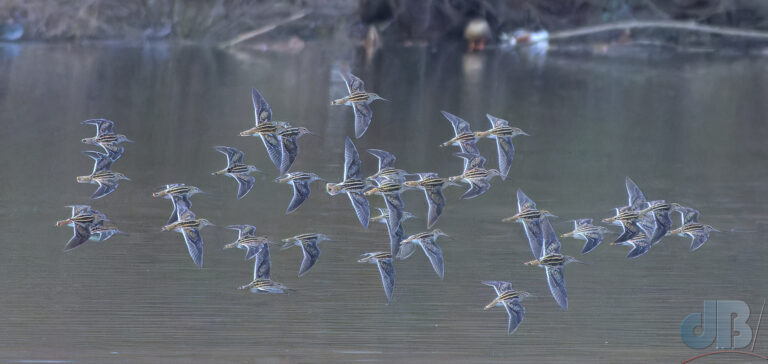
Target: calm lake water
{"type": "Point", "coordinates": [690, 129]}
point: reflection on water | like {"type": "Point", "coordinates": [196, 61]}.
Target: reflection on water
{"type": "Point", "coordinates": [690, 130]}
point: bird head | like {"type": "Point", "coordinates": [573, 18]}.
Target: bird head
{"type": "Point", "coordinates": [546, 213]}
{"type": "Point", "coordinates": [438, 232]}
{"type": "Point", "coordinates": [374, 96]}
{"type": "Point", "coordinates": [333, 188]}
{"type": "Point", "coordinates": [518, 131]}
{"type": "Point", "coordinates": [120, 176]}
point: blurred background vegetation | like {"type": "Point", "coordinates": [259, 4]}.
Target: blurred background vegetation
{"type": "Point", "coordinates": [216, 21]}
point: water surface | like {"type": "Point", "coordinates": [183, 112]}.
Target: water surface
{"type": "Point", "coordinates": [689, 129]}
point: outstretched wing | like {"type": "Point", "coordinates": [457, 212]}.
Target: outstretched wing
{"type": "Point", "coordinates": [301, 192]}
{"type": "Point", "coordinates": [262, 264]}
{"type": "Point", "coordinates": [386, 159]}
{"type": "Point", "coordinates": [647, 224]}
{"type": "Point", "coordinates": [556, 282]}
{"type": "Point", "coordinates": [101, 161]}
{"type": "Point", "coordinates": [182, 210]}
{"type": "Point", "coordinates": [699, 238]}
{"type": "Point", "coordinates": [234, 155]}
{"type": "Point", "coordinates": [288, 155]}
{"type": "Point", "coordinates": [243, 230]}
{"type": "Point", "coordinates": [551, 245]}
{"type": "Point", "coordinates": [471, 160]}
{"type": "Point", "coordinates": [387, 272]}
{"type": "Point", "coordinates": [395, 206]}
{"type": "Point", "coordinates": [496, 122]}
{"type": "Point", "coordinates": [274, 147]}
{"type": "Point", "coordinates": [363, 116]}
{"type": "Point", "coordinates": [244, 184]}
{"type": "Point", "coordinates": [354, 84]}
{"type": "Point", "coordinates": [477, 188]}
{"type": "Point", "coordinates": [81, 234]}
{"type": "Point", "coordinates": [351, 160]}
{"type": "Point", "coordinates": [311, 253]}
{"type": "Point", "coordinates": [515, 311]}
{"type": "Point", "coordinates": [630, 230]}
{"type": "Point", "coordinates": [688, 215]}
{"type": "Point", "coordinates": [396, 235]}
{"type": "Point", "coordinates": [176, 200]}
{"type": "Point", "coordinates": [506, 151]}
{"type": "Point", "coordinates": [436, 203]}
{"type": "Point", "coordinates": [194, 245]}
{"type": "Point", "coordinates": [499, 286]}
{"type": "Point", "coordinates": [79, 209]}
{"type": "Point", "coordinates": [435, 255]}
{"type": "Point", "coordinates": [524, 202]}
{"type": "Point", "coordinates": [663, 223]}
{"type": "Point", "coordinates": [105, 188]}
{"type": "Point", "coordinates": [103, 126]}
{"type": "Point", "coordinates": [361, 206]}
{"type": "Point", "coordinates": [533, 232]}
{"type": "Point", "coordinates": [639, 247]}
{"type": "Point", "coordinates": [459, 125]}
{"type": "Point", "coordinates": [636, 198]}
{"type": "Point", "coordinates": [262, 111]}
{"type": "Point", "coordinates": [593, 240]}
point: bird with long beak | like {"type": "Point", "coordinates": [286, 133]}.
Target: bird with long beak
{"type": "Point", "coordinates": [660, 210]}
{"type": "Point", "coordinates": [265, 128]}
{"type": "Point", "coordinates": [387, 168]}
{"type": "Point", "coordinates": [390, 192]}
{"type": "Point", "coordinates": [428, 242]}
{"type": "Point", "coordinates": [503, 133]}
{"type": "Point", "coordinates": [531, 218]}
{"type": "Point", "coordinates": [691, 227]}
{"type": "Point", "coordinates": [176, 192]}
{"type": "Point", "coordinates": [309, 248]}
{"type": "Point", "coordinates": [464, 137]}
{"type": "Point", "coordinates": [509, 298]}
{"type": "Point", "coordinates": [383, 261]}
{"type": "Point", "coordinates": [82, 219]}
{"type": "Point", "coordinates": [189, 226]}
{"type": "Point", "coordinates": [629, 217]}
{"type": "Point", "coordinates": [102, 231]}
{"type": "Point", "coordinates": [267, 285]}
{"type": "Point", "coordinates": [553, 261]}
{"type": "Point", "coordinates": [396, 234]}
{"type": "Point", "coordinates": [639, 244]}
{"type": "Point", "coordinates": [300, 182]}
{"type": "Point", "coordinates": [101, 161]}
{"type": "Point", "coordinates": [106, 137]}
{"type": "Point", "coordinates": [262, 262]}
{"type": "Point", "coordinates": [359, 99]}
{"type": "Point", "coordinates": [237, 170]}
{"type": "Point", "coordinates": [248, 241]}
{"type": "Point", "coordinates": [352, 185]}
{"type": "Point", "coordinates": [433, 185]}
{"type": "Point", "coordinates": [289, 135]}
{"type": "Point", "coordinates": [475, 175]}
{"type": "Point", "coordinates": [107, 181]}
{"type": "Point", "coordinates": [584, 230]}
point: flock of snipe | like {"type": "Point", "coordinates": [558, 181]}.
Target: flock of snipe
{"type": "Point", "coordinates": [644, 223]}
